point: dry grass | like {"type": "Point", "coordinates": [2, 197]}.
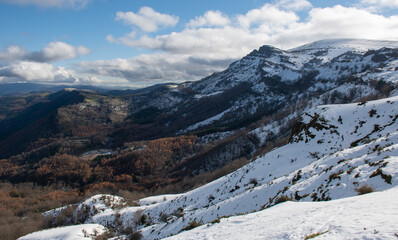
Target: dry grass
{"type": "Point", "coordinates": [364, 189]}
{"type": "Point", "coordinates": [314, 235]}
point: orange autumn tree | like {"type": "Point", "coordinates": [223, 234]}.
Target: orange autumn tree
{"type": "Point", "coordinates": [65, 168]}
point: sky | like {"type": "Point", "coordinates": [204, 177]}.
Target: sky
{"type": "Point", "coordinates": [138, 43]}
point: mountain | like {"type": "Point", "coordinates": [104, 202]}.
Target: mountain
{"type": "Point", "coordinates": [12, 89]}
{"type": "Point", "coordinates": [270, 79]}
{"type": "Point", "coordinates": [335, 152]}
{"type": "Point", "coordinates": [35, 122]}
{"type": "Point", "coordinates": [277, 125]}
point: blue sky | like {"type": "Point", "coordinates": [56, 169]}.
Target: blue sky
{"type": "Point", "coordinates": [144, 42]}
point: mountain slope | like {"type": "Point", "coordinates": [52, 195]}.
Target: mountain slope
{"type": "Point", "coordinates": [38, 120]}
{"type": "Point", "coordinates": [269, 79]}
{"type": "Point", "coordinates": [278, 78]}
{"type": "Point", "coordinates": [334, 150]}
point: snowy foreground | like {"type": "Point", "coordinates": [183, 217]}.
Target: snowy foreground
{"type": "Point", "coordinates": [370, 216]}
{"type": "Point", "coordinates": [362, 217]}
{"type": "Point", "coordinates": [335, 150]}
{"type": "Point", "coordinates": [84, 231]}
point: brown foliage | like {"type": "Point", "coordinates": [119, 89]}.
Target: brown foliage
{"type": "Point", "coordinates": [21, 206]}
{"type": "Point", "coordinates": [63, 168]}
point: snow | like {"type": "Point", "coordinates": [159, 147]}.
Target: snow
{"type": "Point", "coordinates": [199, 96]}
{"type": "Point", "coordinates": [76, 232]}
{"type": "Point", "coordinates": [157, 199]}
{"type": "Point", "coordinates": [206, 122]}
{"type": "Point", "coordinates": [359, 217]}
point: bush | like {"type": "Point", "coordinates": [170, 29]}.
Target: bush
{"type": "Point", "coordinates": [164, 217]}
{"type": "Point", "coordinates": [105, 236]}
{"type": "Point", "coordinates": [253, 181]}
{"type": "Point", "coordinates": [135, 236]}
{"type": "Point", "coordinates": [193, 224]}
{"type": "Point", "coordinates": [143, 219]}
{"type": "Point", "coordinates": [364, 189]}
{"type": "Point", "coordinates": [283, 198]}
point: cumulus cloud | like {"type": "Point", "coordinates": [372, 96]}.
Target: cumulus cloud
{"type": "Point", "coordinates": [147, 19]}
{"type": "Point", "coordinates": [210, 18]}
{"type": "Point", "coordinates": [18, 64]}
{"type": "Point", "coordinates": [268, 15]}
{"type": "Point", "coordinates": [215, 35]}
{"type": "Point", "coordinates": [41, 73]}
{"type": "Point", "coordinates": [53, 52]}
{"type": "Point", "coordinates": [338, 22]}
{"type": "Point", "coordinates": [153, 67]}
{"type": "Point", "coordinates": [77, 4]}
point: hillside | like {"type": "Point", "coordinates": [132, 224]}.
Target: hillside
{"type": "Point", "coordinates": [334, 151]}
{"type": "Point", "coordinates": [277, 125]}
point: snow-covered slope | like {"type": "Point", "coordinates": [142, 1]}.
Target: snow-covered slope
{"type": "Point", "coordinates": [270, 79]}
{"type": "Point", "coordinates": [334, 151]}
{"type": "Point", "coordinates": [77, 232]}
{"type": "Point", "coordinates": [371, 216]}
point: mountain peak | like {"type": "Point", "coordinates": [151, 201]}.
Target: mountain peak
{"type": "Point", "coordinates": [265, 51]}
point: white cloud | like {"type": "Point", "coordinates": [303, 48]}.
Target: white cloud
{"type": "Point", "coordinates": [77, 4]}
{"type": "Point", "coordinates": [338, 22]}
{"type": "Point", "coordinates": [218, 35]}
{"type": "Point", "coordinates": [81, 50]}
{"type": "Point", "coordinates": [210, 18]}
{"type": "Point", "coordinates": [147, 19]}
{"type": "Point", "coordinates": [17, 64]}
{"type": "Point", "coordinates": [268, 15]}
{"type": "Point", "coordinates": [225, 42]}
{"type": "Point", "coordinates": [41, 73]}
{"type": "Point", "coordinates": [53, 52]}
{"type": "Point", "coordinates": [153, 68]}
{"type": "Point", "coordinates": [294, 5]}
{"type": "Point", "coordinates": [13, 53]}
{"type": "Point", "coordinates": [56, 51]}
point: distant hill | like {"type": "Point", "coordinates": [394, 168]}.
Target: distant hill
{"type": "Point", "coordinates": [9, 89]}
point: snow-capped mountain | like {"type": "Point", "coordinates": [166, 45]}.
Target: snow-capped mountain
{"type": "Point", "coordinates": [270, 79]}
{"type": "Point", "coordinates": [333, 152]}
